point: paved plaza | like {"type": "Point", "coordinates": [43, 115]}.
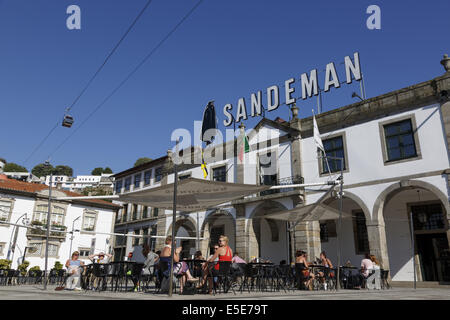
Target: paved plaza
{"type": "Point", "coordinates": [34, 292]}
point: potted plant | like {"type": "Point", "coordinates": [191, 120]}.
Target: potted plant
{"type": "Point", "coordinates": [23, 268]}
{"type": "Point", "coordinates": [5, 264]}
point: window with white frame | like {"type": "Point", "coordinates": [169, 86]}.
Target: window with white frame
{"type": "Point", "coordinates": [35, 249]}
{"type": "Point", "coordinates": [40, 214]}
{"type": "Point", "coordinates": [53, 250]}
{"type": "Point", "coordinates": [5, 209]}
{"type": "Point", "coordinates": [84, 252]}
{"type": "Point", "coordinates": [2, 247]}
{"type": "Point", "coordinates": [89, 219]}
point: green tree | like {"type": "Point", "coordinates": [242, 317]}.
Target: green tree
{"type": "Point", "coordinates": [142, 161]}
{"type": "Point", "coordinates": [3, 160]}
{"type": "Point", "coordinates": [13, 167]}
{"type": "Point", "coordinates": [97, 171]}
{"type": "Point", "coordinates": [62, 170]}
{"type": "Point", "coordinates": [41, 170]}
{"type": "Point", "coordinates": [107, 170]}
{"type": "Point", "coordinates": [58, 265]}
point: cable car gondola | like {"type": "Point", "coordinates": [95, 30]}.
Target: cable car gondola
{"type": "Point", "coordinates": [67, 121]}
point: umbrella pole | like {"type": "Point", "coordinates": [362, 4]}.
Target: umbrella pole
{"type": "Point", "coordinates": [341, 182]}
{"type": "Point", "coordinates": [174, 218]}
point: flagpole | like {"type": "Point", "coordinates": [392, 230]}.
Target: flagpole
{"type": "Point", "coordinates": [174, 218]}
{"type": "Point", "coordinates": [321, 147]}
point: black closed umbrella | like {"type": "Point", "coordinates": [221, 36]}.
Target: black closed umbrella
{"type": "Point", "coordinates": [209, 122]}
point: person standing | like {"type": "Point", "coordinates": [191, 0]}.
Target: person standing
{"type": "Point", "coordinates": [74, 268]}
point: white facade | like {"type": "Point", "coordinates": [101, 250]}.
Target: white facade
{"type": "Point", "coordinates": [80, 182]}
{"type": "Point", "coordinates": [396, 166]}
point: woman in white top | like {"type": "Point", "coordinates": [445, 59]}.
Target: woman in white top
{"type": "Point", "coordinates": [375, 263]}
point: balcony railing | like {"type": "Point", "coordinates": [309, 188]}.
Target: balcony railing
{"type": "Point", "coordinates": [55, 230]}
{"type": "Point", "coordinates": [281, 182]}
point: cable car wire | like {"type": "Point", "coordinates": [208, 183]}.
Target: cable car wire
{"type": "Point", "coordinates": [94, 76]}
{"type": "Point", "coordinates": [130, 74]}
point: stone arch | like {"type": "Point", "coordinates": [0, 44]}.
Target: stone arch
{"type": "Point", "coordinates": [255, 224]}
{"type": "Point", "coordinates": [378, 220]}
{"type": "Point", "coordinates": [395, 188]}
{"type": "Point", "coordinates": [210, 216]}
{"type": "Point", "coordinates": [189, 225]}
{"type": "Point", "coordinates": [210, 220]}
{"type": "Point", "coordinates": [354, 197]}
{"type": "Point", "coordinates": [268, 205]}
{"type": "Point", "coordinates": [184, 222]}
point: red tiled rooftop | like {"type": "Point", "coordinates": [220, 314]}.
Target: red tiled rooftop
{"type": "Point", "coordinates": [11, 184]}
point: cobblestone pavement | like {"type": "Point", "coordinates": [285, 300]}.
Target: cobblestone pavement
{"type": "Point", "coordinates": [33, 292]}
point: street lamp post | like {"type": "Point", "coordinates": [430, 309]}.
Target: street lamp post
{"type": "Point", "coordinates": [71, 236]}
{"type": "Point", "coordinates": [49, 212]}
{"type": "Point", "coordinates": [12, 245]}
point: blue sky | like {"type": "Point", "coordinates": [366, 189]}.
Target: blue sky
{"type": "Point", "coordinates": [224, 51]}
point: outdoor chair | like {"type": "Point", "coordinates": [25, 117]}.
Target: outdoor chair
{"type": "Point", "coordinates": [3, 277]}
{"type": "Point", "coordinates": [52, 277]}
{"type": "Point", "coordinates": [164, 277]}
{"type": "Point", "coordinates": [223, 277]}
{"type": "Point", "coordinates": [284, 277]}
{"type": "Point", "coordinates": [237, 273]}
{"type": "Point", "coordinates": [373, 281]}
{"type": "Point", "coordinates": [61, 277]}
{"type": "Point", "coordinates": [136, 273]}
{"type": "Point", "coordinates": [11, 277]}
{"type": "Point", "coordinates": [116, 274]}
{"type": "Point", "coordinates": [99, 272]}
{"type": "Point", "coordinates": [299, 277]}
{"type": "Point", "coordinates": [250, 276]}
{"type": "Point", "coordinates": [35, 276]}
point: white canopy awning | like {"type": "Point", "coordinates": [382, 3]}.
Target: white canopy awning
{"type": "Point", "coordinates": [308, 213]}
{"type": "Point", "coordinates": [192, 194]}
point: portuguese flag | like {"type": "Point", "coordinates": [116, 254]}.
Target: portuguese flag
{"type": "Point", "coordinates": [244, 148]}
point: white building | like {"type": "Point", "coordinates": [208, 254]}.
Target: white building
{"type": "Point", "coordinates": [2, 165]}
{"type": "Point", "coordinates": [396, 163]}
{"type": "Point", "coordinates": [20, 200]}
{"type": "Point", "coordinates": [78, 183]}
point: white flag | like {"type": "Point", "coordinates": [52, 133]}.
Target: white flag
{"type": "Point", "coordinates": [317, 138]}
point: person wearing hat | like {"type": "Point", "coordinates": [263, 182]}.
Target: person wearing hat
{"type": "Point", "coordinates": [101, 257]}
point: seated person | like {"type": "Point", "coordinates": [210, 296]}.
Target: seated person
{"type": "Point", "coordinates": [222, 253]}
{"type": "Point", "coordinates": [180, 268]}
{"type": "Point", "coordinates": [324, 261]}
{"type": "Point", "coordinates": [102, 257]}
{"type": "Point", "coordinates": [366, 266]}
{"type": "Point", "coordinates": [74, 268]}
{"type": "Point", "coordinates": [237, 259]}
{"type": "Point", "coordinates": [151, 259]}
{"type": "Point", "coordinates": [303, 265]}
{"type": "Point", "coordinates": [198, 265]}
{"type": "Point", "coordinates": [376, 264]}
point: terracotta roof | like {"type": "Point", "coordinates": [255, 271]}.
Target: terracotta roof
{"type": "Point", "coordinates": [15, 185]}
